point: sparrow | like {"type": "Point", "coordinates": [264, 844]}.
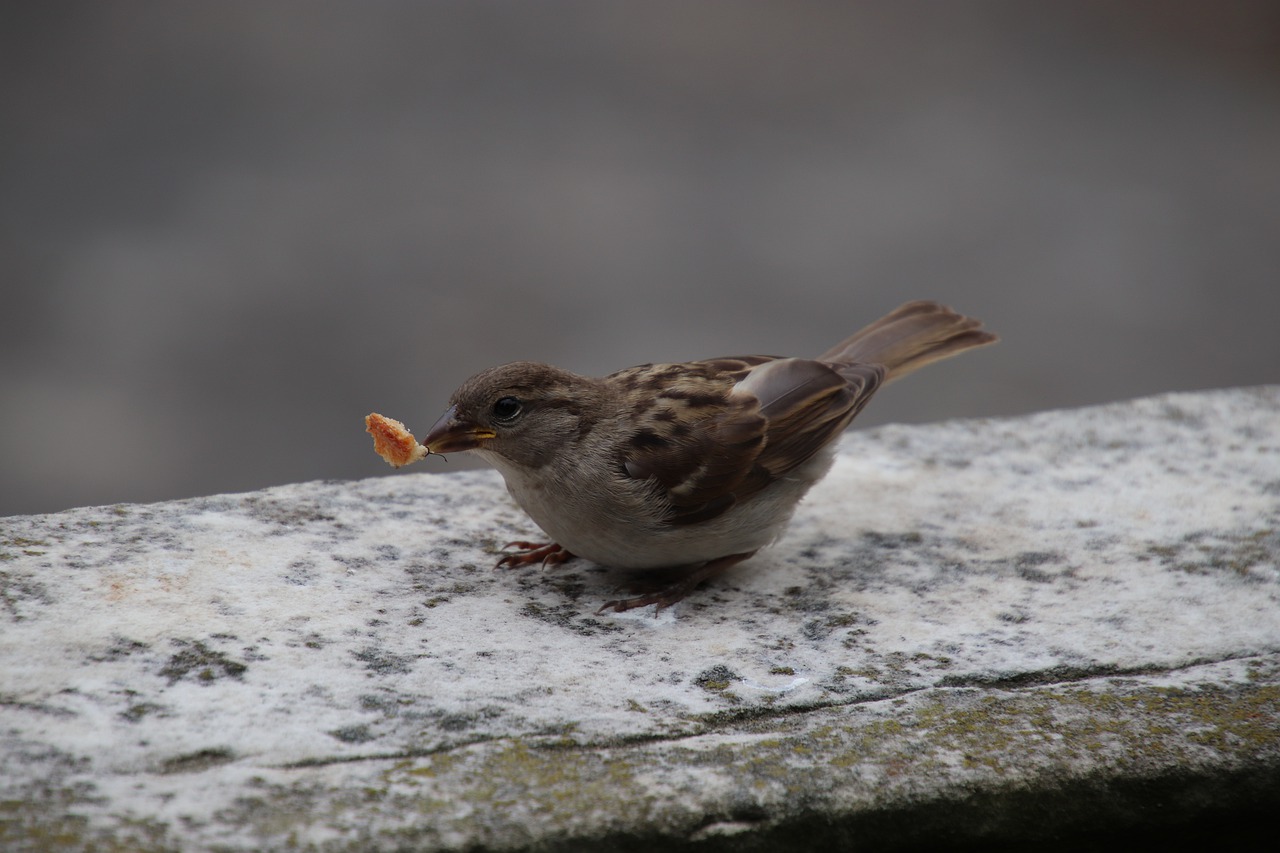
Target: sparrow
{"type": "Point", "coordinates": [687, 468]}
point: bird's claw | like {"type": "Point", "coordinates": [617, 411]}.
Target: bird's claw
{"type": "Point", "coordinates": [546, 553]}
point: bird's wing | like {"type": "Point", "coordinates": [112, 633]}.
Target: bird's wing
{"type": "Point", "coordinates": [807, 405]}
{"type": "Point", "coordinates": [715, 432]}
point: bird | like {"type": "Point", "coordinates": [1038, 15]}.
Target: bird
{"type": "Point", "coordinates": [681, 471]}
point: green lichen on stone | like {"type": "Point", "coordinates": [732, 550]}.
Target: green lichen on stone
{"type": "Point", "coordinates": [49, 814]}
{"type": "Point", "coordinates": [206, 664]}
{"type": "Point", "coordinates": [716, 678]}
{"type": "Point", "coordinates": [355, 734]}
{"type": "Point", "coordinates": [1006, 734]}
{"type": "Point", "coordinates": [475, 793]}
{"type": "Point", "coordinates": [839, 761]}
{"type": "Point", "coordinates": [1203, 552]}
{"type": "Point", "coordinates": [136, 712]}
{"type": "Point", "coordinates": [932, 662]}
{"type": "Point", "coordinates": [13, 548]}
{"type": "Point", "coordinates": [19, 590]}
{"type": "Point", "coordinates": [195, 762]}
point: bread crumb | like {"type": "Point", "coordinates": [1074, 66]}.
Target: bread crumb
{"type": "Point", "coordinates": [393, 442]}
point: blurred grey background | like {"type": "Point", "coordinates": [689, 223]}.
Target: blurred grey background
{"type": "Point", "coordinates": [230, 230]}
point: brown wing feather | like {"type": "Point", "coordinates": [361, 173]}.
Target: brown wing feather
{"type": "Point", "coordinates": [744, 422]}
{"type": "Point", "coordinates": [908, 338]}
{"type": "Point", "coordinates": [719, 431]}
{"type": "Point", "coordinates": [698, 444]}
{"type": "Point", "coordinates": [808, 404]}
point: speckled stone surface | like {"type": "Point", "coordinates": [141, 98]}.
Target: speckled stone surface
{"type": "Point", "coordinates": [973, 630]}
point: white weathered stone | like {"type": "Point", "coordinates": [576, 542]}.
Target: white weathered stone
{"type": "Point", "coordinates": [964, 619]}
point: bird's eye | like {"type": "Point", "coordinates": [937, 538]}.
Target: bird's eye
{"type": "Point", "coordinates": [507, 409]}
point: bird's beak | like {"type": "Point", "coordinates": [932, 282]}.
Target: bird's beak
{"type": "Point", "coordinates": [450, 435]}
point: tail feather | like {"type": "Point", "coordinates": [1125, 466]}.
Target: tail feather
{"type": "Point", "coordinates": [905, 340]}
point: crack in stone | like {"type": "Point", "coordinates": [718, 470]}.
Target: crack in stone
{"type": "Point", "coordinates": [401, 755]}
{"type": "Point", "coordinates": [1068, 674]}
{"type": "Point", "coordinates": [722, 720]}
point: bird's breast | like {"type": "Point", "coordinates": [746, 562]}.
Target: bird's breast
{"type": "Point", "coordinates": [616, 521]}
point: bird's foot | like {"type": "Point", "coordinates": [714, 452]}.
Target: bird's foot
{"type": "Point", "coordinates": [546, 553]}
{"type": "Point", "coordinates": [669, 595]}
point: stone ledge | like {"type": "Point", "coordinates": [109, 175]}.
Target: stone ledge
{"type": "Point", "coordinates": [974, 631]}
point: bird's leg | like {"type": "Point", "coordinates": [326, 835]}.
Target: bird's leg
{"type": "Point", "coordinates": [669, 595]}
{"type": "Point", "coordinates": [547, 553]}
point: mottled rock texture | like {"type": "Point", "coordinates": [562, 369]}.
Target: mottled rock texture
{"type": "Point", "coordinates": [973, 631]}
